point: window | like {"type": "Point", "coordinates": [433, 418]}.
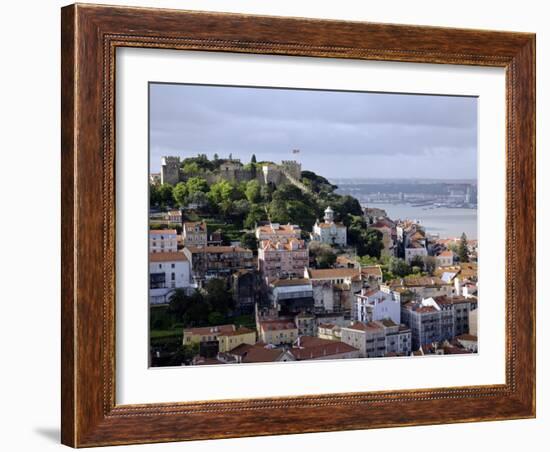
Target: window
{"type": "Point", "coordinates": [173, 276]}
{"type": "Point", "coordinates": [173, 265]}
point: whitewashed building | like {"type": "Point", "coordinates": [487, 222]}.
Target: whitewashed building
{"type": "Point", "coordinates": [163, 241]}
{"type": "Point", "coordinates": [377, 305]}
{"type": "Point", "coordinates": [445, 258]}
{"type": "Point", "coordinates": [329, 232]}
{"type": "Point", "coordinates": [167, 272]}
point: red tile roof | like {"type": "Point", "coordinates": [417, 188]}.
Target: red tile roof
{"type": "Point", "coordinates": [274, 325]}
{"type": "Point", "coordinates": [167, 257]}
{"type": "Point", "coordinates": [257, 353]}
{"type": "Point", "coordinates": [314, 347]}
{"type": "Point", "coordinates": [207, 330]}
{"type": "Point", "coordinates": [163, 231]}
{"type": "Point", "coordinates": [217, 249]}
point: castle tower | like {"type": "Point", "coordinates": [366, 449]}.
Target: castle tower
{"type": "Point", "coordinates": [329, 215]}
{"type": "Point", "coordinates": [170, 170]}
{"type": "Point", "coordinates": [293, 168]}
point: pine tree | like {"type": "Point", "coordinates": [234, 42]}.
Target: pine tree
{"type": "Point", "coordinates": [253, 159]}
{"type": "Point", "coordinates": [463, 248]}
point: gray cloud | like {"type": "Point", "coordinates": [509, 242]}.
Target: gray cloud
{"type": "Point", "coordinates": [339, 134]}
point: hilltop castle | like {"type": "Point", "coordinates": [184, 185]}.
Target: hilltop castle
{"type": "Point", "coordinates": [234, 171]}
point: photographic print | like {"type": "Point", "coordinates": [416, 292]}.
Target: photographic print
{"type": "Point", "coordinates": [293, 224]}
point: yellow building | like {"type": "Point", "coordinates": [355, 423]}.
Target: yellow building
{"type": "Point", "coordinates": [228, 341]}
{"type": "Point", "coordinates": [278, 332]}
{"type": "Point", "coordinates": [206, 333]}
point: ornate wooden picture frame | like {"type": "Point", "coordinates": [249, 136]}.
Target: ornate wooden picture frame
{"type": "Point", "coordinates": [90, 37]}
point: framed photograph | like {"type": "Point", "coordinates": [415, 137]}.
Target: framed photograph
{"type": "Point", "coordinates": [282, 225]}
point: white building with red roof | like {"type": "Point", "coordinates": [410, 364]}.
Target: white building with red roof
{"type": "Point", "coordinates": [445, 258]}
{"type": "Point", "coordinates": [167, 272]}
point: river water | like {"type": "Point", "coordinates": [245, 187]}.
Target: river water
{"type": "Point", "coordinates": [446, 222]}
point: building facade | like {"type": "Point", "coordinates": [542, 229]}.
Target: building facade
{"type": "Point", "coordinates": [163, 241]}
{"type": "Point", "coordinates": [378, 339]}
{"type": "Point", "coordinates": [282, 258]}
{"type": "Point", "coordinates": [373, 304]}
{"type": "Point", "coordinates": [437, 319]}
{"type": "Point", "coordinates": [291, 296]}
{"type": "Point", "coordinates": [218, 261]}
{"type": "Point", "coordinates": [277, 332]}
{"type": "Point", "coordinates": [329, 232]}
{"type": "Point", "coordinates": [167, 272]}
{"type": "Point", "coordinates": [194, 234]}
{"type": "Point", "coordinates": [274, 231]}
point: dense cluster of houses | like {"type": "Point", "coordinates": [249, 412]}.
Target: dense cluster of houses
{"type": "Point", "coordinates": [302, 312]}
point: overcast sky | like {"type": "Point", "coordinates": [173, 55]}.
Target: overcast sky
{"type": "Point", "coordinates": [339, 134]}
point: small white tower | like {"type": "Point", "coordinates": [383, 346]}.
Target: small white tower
{"type": "Point", "coordinates": [329, 215]}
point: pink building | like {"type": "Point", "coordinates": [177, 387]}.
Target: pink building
{"type": "Point", "coordinates": [281, 257]}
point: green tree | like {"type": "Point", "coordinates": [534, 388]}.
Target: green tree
{"type": "Point", "coordinates": [255, 215]}
{"type": "Point", "coordinates": [301, 213]}
{"type": "Point", "coordinates": [191, 168]}
{"type": "Point", "coordinates": [278, 212]}
{"type": "Point", "coordinates": [154, 195]}
{"type": "Point", "coordinates": [253, 191]}
{"type": "Point", "coordinates": [179, 303]}
{"type": "Point", "coordinates": [430, 264]}
{"type": "Point", "coordinates": [218, 297]}
{"type": "Point", "coordinates": [417, 261]}
{"type": "Point", "coordinates": [253, 166]}
{"type": "Point", "coordinates": [322, 254]}
{"type": "Point", "coordinates": [399, 267]}
{"type": "Point", "coordinates": [216, 318]}
{"type": "Point", "coordinates": [249, 240]}
{"type": "Point", "coordinates": [196, 184]}
{"type": "Point", "coordinates": [367, 261]}
{"type": "Point", "coordinates": [372, 243]}
{"type": "Point", "coordinates": [180, 194]}
{"type": "Point", "coordinates": [166, 196]}
{"type": "Point", "coordinates": [221, 191]}
{"type": "Point", "coordinates": [267, 192]}
{"type": "Point", "coordinates": [184, 354]}
{"type": "Point", "coordinates": [415, 270]}
{"type": "Point", "coordinates": [463, 248]}
{"type": "Point", "coordinates": [199, 198]}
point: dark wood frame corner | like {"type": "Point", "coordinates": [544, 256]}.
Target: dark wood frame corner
{"type": "Point", "coordinates": [90, 36]}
